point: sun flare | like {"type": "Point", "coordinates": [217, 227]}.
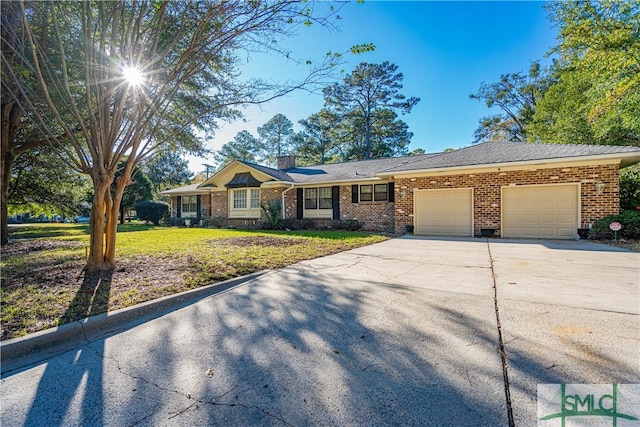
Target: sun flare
{"type": "Point", "coordinates": [133, 76]}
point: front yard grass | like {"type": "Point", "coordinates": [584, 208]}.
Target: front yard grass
{"type": "Point", "coordinates": [43, 285]}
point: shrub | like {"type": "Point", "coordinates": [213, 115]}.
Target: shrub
{"type": "Point", "coordinates": [297, 224]}
{"type": "Point", "coordinates": [273, 212]}
{"type": "Point", "coordinates": [152, 211]}
{"type": "Point", "coordinates": [630, 221]}
{"type": "Point", "coordinates": [630, 188]}
{"type": "Point", "coordinates": [174, 222]}
{"type": "Point", "coordinates": [212, 221]}
{"type": "Point", "coordinates": [307, 224]}
{"type": "Point", "coordinates": [347, 224]}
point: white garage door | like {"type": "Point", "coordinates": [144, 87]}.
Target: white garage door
{"type": "Point", "coordinates": [540, 211]}
{"type": "Point", "coordinates": [444, 212]}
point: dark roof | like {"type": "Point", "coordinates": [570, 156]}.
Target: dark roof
{"type": "Point", "coordinates": [349, 171]}
{"type": "Point", "coordinates": [275, 173]}
{"type": "Point", "coordinates": [491, 153]}
{"type": "Point", "coordinates": [488, 153]}
{"type": "Point", "coordinates": [243, 180]}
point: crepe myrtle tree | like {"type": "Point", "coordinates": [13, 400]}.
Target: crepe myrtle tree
{"type": "Point", "coordinates": [123, 79]}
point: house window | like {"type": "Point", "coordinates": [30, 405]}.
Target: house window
{"type": "Point", "coordinates": [255, 198]}
{"type": "Point", "coordinates": [189, 204]}
{"type": "Point", "coordinates": [325, 199]}
{"type": "Point", "coordinates": [380, 192]}
{"type": "Point", "coordinates": [246, 198]}
{"type": "Point", "coordinates": [240, 199]}
{"type": "Point", "coordinates": [311, 198]}
{"type": "Point", "coordinates": [318, 198]}
{"type": "Point", "coordinates": [366, 193]}
{"type": "Point", "coordinates": [374, 193]}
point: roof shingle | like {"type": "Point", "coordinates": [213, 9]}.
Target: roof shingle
{"type": "Point", "coordinates": [488, 153]}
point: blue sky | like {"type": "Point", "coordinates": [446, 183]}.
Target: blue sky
{"type": "Point", "coordinates": [445, 50]}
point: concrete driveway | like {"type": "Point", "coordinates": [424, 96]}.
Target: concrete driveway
{"type": "Point", "coordinates": [411, 331]}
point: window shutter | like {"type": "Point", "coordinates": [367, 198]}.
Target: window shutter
{"type": "Point", "coordinates": [354, 194]}
{"type": "Point", "coordinates": [299, 203]}
{"type": "Point", "coordinates": [198, 205]}
{"type": "Point", "coordinates": [392, 194]}
{"type": "Point", "coordinates": [335, 201]}
{"type": "Point", "coordinates": [179, 207]}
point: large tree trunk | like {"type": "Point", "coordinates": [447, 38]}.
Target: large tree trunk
{"type": "Point", "coordinates": [101, 196]}
{"type": "Point", "coordinates": [367, 136]}
{"type": "Point", "coordinates": [112, 220]}
{"type": "Point", "coordinates": [7, 161]}
{"type": "Point", "coordinates": [11, 116]}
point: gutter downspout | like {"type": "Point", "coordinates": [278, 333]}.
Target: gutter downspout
{"type": "Point", "coordinates": [283, 206]}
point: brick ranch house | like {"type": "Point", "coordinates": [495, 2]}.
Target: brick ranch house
{"type": "Point", "coordinates": [520, 190]}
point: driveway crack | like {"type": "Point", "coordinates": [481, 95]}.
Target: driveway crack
{"type": "Point", "coordinates": [196, 400]}
{"type": "Point", "coordinates": [503, 353]}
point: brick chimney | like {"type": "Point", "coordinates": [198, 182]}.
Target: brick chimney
{"type": "Point", "coordinates": [286, 162]}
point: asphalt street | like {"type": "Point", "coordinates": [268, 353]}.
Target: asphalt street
{"type": "Point", "coordinates": [411, 331]}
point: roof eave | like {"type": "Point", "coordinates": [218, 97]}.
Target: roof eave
{"type": "Point", "coordinates": [175, 192]}
{"type": "Point", "coordinates": [624, 159]}
{"type": "Point", "coordinates": [337, 181]}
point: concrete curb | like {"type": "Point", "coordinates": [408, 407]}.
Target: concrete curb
{"type": "Point", "coordinates": [31, 349]}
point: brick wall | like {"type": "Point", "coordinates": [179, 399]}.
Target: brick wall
{"type": "Point", "coordinates": [487, 192]}
{"type": "Point", "coordinates": [375, 216]}
{"type": "Point", "coordinates": [390, 217]}
{"type": "Point", "coordinates": [205, 205]}
{"type": "Point", "coordinates": [219, 204]}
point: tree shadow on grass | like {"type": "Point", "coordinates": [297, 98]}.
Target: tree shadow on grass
{"type": "Point", "coordinates": [91, 299]}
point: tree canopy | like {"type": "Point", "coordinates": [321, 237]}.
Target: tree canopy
{"type": "Point", "coordinates": [276, 138]}
{"type": "Point", "coordinates": [591, 92]}
{"type": "Point", "coordinates": [317, 143]}
{"type": "Point", "coordinates": [365, 103]}
{"type": "Point", "coordinates": [597, 72]}
{"type": "Point", "coordinates": [40, 180]}
{"type": "Point", "coordinates": [244, 147]}
{"type": "Point", "coordinates": [515, 94]}
{"type": "Point", "coordinates": [124, 79]}
{"type": "Point", "coordinates": [167, 169]}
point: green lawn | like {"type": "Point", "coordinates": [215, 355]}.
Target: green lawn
{"type": "Point", "coordinates": [43, 284]}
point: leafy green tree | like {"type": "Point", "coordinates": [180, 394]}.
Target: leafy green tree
{"type": "Point", "coordinates": [243, 147]}
{"type": "Point", "coordinates": [317, 143]}
{"type": "Point", "coordinates": [390, 136]}
{"type": "Point", "coordinates": [630, 188]}
{"type": "Point", "coordinates": [515, 95]}
{"type": "Point", "coordinates": [561, 115]}
{"type": "Point", "coordinates": [139, 189]}
{"type": "Point", "coordinates": [595, 96]}
{"type": "Point", "coordinates": [19, 131]}
{"type": "Point", "coordinates": [40, 180]}
{"type": "Point", "coordinates": [363, 99]}
{"type": "Point", "coordinates": [167, 169]}
{"type": "Point", "coordinates": [276, 137]}
{"type": "Point", "coordinates": [126, 78]}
